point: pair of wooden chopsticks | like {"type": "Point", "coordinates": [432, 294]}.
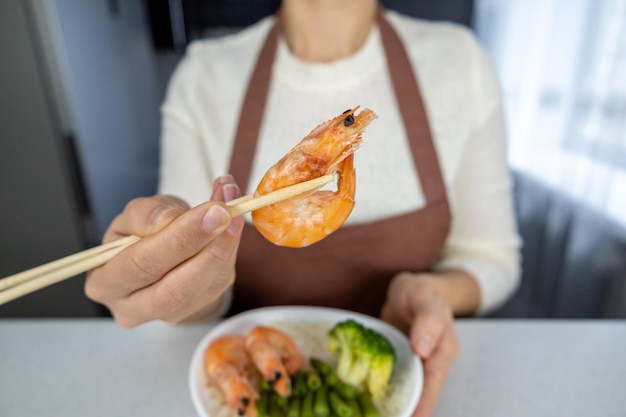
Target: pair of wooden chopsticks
{"type": "Point", "coordinates": [26, 282]}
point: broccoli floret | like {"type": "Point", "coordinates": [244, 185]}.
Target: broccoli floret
{"type": "Point", "coordinates": [365, 357]}
{"type": "Point", "coordinates": [382, 365]}
{"type": "Point", "coordinates": [349, 341]}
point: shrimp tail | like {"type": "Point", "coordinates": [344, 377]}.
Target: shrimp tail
{"type": "Point", "coordinates": [228, 365]}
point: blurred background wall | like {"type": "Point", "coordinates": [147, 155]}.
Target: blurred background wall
{"type": "Point", "coordinates": [82, 82]}
{"type": "Point", "coordinates": [79, 127]}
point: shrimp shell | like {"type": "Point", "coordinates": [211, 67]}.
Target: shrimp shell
{"type": "Point", "coordinates": [310, 217]}
{"type": "Point", "coordinates": [275, 355]}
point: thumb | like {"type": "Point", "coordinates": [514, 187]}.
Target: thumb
{"type": "Point", "coordinates": [428, 326]}
{"type": "Point", "coordinates": [225, 189]}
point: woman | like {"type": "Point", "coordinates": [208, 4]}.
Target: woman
{"type": "Point", "coordinates": [432, 234]}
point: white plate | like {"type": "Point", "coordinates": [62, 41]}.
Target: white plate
{"type": "Point", "coordinates": [408, 366]}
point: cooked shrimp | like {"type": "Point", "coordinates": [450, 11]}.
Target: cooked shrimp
{"type": "Point", "coordinates": [228, 364]}
{"type": "Point", "coordinates": [310, 217]}
{"type": "Point", "coordinates": [275, 355]}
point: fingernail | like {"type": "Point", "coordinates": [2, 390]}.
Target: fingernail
{"type": "Point", "coordinates": [215, 217]}
{"type": "Point", "coordinates": [231, 192]}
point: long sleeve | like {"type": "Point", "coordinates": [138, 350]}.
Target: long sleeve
{"type": "Point", "coordinates": [184, 169]}
{"type": "Point", "coordinates": [484, 239]}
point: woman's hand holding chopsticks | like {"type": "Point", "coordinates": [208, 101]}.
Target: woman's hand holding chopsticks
{"type": "Point", "coordinates": [172, 234]}
{"type": "Point", "coordinates": [181, 268]}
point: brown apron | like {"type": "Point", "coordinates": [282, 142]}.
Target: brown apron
{"type": "Point", "coordinates": [352, 267]}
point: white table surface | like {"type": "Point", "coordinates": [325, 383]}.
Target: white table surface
{"type": "Point", "coordinates": [92, 367]}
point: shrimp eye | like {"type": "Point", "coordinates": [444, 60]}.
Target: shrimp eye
{"type": "Point", "coordinates": [348, 121]}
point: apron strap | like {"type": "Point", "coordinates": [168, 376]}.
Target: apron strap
{"type": "Point", "coordinates": [252, 111]}
{"type": "Point", "coordinates": [412, 110]}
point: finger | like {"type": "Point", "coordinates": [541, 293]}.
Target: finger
{"type": "Point", "coordinates": [226, 189]}
{"type": "Point", "coordinates": [145, 216]}
{"type": "Point", "coordinates": [222, 255]}
{"type": "Point", "coordinates": [431, 318]}
{"type": "Point", "coordinates": [190, 286]}
{"type": "Point", "coordinates": [149, 259]}
{"type": "Point", "coordinates": [436, 370]}
{"type": "Point", "coordinates": [390, 314]}
{"type": "Point", "coordinates": [396, 310]}
{"type": "Point", "coordinates": [387, 315]}
{"type": "Point", "coordinates": [416, 309]}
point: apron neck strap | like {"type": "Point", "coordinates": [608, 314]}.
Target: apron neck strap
{"type": "Point", "coordinates": [412, 110]}
{"type": "Point", "coordinates": [252, 111]}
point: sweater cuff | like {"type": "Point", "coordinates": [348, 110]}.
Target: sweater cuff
{"type": "Point", "coordinates": [497, 281]}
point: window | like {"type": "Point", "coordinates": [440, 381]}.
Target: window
{"type": "Point", "coordinates": [562, 64]}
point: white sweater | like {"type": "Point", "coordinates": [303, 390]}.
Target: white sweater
{"type": "Point", "coordinates": [462, 100]}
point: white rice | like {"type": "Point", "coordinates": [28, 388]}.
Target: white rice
{"type": "Point", "coordinates": [311, 338]}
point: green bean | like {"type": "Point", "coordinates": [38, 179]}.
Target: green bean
{"type": "Point", "coordinates": [276, 410]}
{"type": "Point", "coordinates": [262, 403]}
{"type": "Point", "coordinates": [346, 390]}
{"type": "Point", "coordinates": [299, 385]}
{"type": "Point", "coordinates": [325, 370]}
{"type": "Point", "coordinates": [307, 405]}
{"type": "Point", "coordinates": [331, 379]}
{"type": "Point", "coordinates": [293, 410]}
{"type": "Point", "coordinates": [320, 366]}
{"type": "Point", "coordinates": [265, 386]}
{"type": "Point", "coordinates": [367, 406]}
{"type": "Point", "coordinates": [356, 408]}
{"type": "Point", "coordinates": [281, 401]}
{"type": "Point", "coordinates": [320, 404]}
{"type": "Point", "coordinates": [313, 381]}
{"type": "Point", "coordinates": [339, 406]}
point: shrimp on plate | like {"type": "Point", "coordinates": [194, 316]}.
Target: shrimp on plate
{"type": "Point", "coordinates": [275, 355]}
{"type": "Point", "coordinates": [310, 217]}
{"type": "Point", "coordinates": [230, 367]}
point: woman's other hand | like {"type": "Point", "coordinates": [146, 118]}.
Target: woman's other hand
{"type": "Point", "coordinates": [181, 269]}
{"type": "Point", "coordinates": [417, 307]}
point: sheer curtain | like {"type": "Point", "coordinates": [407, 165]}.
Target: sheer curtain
{"type": "Point", "coordinates": [562, 64]}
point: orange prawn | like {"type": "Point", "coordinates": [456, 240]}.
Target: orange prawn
{"type": "Point", "coordinates": [310, 217]}
{"type": "Point", "coordinates": [275, 355]}
{"type": "Point", "coordinates": [229, 366]}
